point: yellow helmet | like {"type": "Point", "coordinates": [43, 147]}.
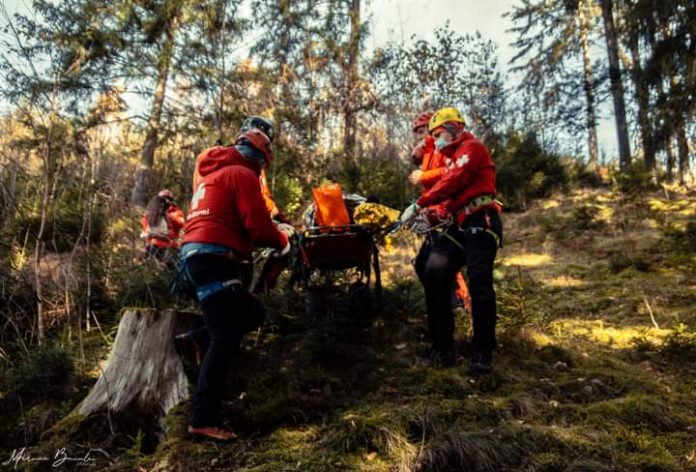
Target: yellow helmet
{"type": "Point", "coordinates": [444, 115]}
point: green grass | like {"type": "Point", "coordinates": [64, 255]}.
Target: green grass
{"type": "Point", "coordinates": [583, 380]}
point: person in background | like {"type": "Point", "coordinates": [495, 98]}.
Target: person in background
{"type": "Point", "coordinates": [161, 224]}
{"type": "Point", "coordinates": [467, 191]}
{"type": "Point", "coordinates": [226, 219]}
{"type": "Point", "coordinates": [431, 165]}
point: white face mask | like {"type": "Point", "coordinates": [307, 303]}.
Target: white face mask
{"type": "Point", "coordinates": [441, 143]}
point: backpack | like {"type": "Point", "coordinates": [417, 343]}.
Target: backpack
{"type": "Point", "coordinates": [160, 230]}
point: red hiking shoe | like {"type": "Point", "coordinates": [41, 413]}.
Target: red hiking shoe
{"type": "Point", "coordinates": [212, 432]}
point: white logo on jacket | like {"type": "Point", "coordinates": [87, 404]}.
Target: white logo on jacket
{"type": "Point", "coordinates": [200, 193]}
{"type": "Point", "coordinates": [460, 162]}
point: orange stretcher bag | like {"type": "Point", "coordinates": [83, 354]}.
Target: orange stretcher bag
{"type": "Point", "coordinates": [331, 209]}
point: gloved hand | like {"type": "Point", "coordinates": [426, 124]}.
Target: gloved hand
{"type": "Point", "coordinates": [415, 177]}
{"type": "Point", "coordinates": [437, 215]}
{"type": "Point", "coordinates": [409, 213]}
{"type": "Point", "coordinates": [420, 224]}
{"type": "Point", "coordinates": [283, 252]}
{"type": "Point", "coordinates": [287, 229]}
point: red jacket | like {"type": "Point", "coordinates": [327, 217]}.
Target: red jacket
{"type": "Point", "coordinates": [227, 207]}
{"type": "Point", "coordinates": [470, 173]}
{"type": "Point", "coordinates": [175, 222]}
{"type": "Point", "coordinates": [271, 206]}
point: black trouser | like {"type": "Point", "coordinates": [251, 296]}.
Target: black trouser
{"type": "Point", "coordinates": [437, 264]}
{"type": "Point", "coordinates": [201, 335]}
{"type": "Point", "coordinates": [430, 237]}
{"type": "Point", "coordinates": [228, 315]}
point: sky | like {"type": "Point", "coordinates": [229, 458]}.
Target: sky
{"type": "Point", "coordinates": [399, 20]}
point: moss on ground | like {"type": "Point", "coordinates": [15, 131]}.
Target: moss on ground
{"type": "Point", "coordinates": [584, 380]}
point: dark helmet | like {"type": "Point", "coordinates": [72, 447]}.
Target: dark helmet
{"type": "Point", "coordinates": [260, 123]}
{"type": "Point", "coordinates": [255, 146]}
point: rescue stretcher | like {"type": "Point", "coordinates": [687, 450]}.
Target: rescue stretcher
{"type": "Point", "coordinates": [333, 262]}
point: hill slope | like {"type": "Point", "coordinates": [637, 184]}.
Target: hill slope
{"type": "Point", "coordinates": [595, 368]}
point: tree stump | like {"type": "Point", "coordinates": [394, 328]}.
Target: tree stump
{"type": "Point", "coordinates": [144, 377]}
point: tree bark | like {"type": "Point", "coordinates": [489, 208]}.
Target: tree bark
{"type": "Point", "coordinates": [671, 159]}
{"type": "Point", "coordinates": [590, 96]}
{"type": "Point", "coordinates": [643, 100]}
{"type": "Point", "coordinates": [142, 178]}
{"type": "Point", "coordinates": [682, 148]}
{"type": "Point", "coordinates": [352, 77]}
{"type": "Point", "coordinates": [46, 198]}
{"type": "Point", "coordinates": [143, 378]}
{"type": "Point", "coordinates": [617, 89]}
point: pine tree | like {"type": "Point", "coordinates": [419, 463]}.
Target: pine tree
{"type": "Point", "coordinates": [550, 35]}
{"type": "Point", "coordinates": [617, 88]}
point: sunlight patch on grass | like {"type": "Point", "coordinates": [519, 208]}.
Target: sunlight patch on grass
{"type": "Point", "coordinates": [549, 204]}
{"type": "Point", "coordinates": [538, 338]}
{"type": "Point", "coordinates": [562, 281]}
{"type": "Point", "coordinates": [615, 337]}
{"type": "Point", "coordinates": [527, 260]}
{"type": "Point", "coordinates": [605, 213]}
{"type": "Point", "coordinates": [680, 207]}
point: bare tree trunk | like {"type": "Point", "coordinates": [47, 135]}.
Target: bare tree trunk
{"type": "Point", "coordinates": [643, 100]}
{"type": "Point", "coordinates": [683, 148]}
{"type": "Point", "coordinates": [617, 89]}
{"type": "Point", "coordinates": [221, 101]}
{"type": "Point", "coordinates": [663, 135]}
{"type": "Point", "coordinates": [144, 377]}
{"type": "Point", "coordinates": [38, 250]}
{"type": "Point", "coordinates": [671, 159]}
{"type": "Point", "coordinates": [142, 178]}
{"type": "Point", "coordinates": [590, 96]}
{"type": "Point", "coordinates": [350, 118]}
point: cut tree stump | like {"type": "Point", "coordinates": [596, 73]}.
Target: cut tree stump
{"type": "Point", "coordinates": [144, 377]}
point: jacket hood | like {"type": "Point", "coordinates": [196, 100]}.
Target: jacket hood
{"type": "Point", "coordinates": [222, 156]}
{"type": "Point", "coordinates": [452, 147]}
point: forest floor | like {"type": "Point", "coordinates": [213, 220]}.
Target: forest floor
{"type": "Point", "coordinates": [595, 369]}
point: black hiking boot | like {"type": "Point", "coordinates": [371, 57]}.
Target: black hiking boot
{"type": "Point", "coordinates": [481, 363]}
{"type": "Point", "coordinates": [191, 355]}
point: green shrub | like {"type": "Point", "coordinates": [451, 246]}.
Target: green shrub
{"type": "Point", "coordinates": [581, 175]}
{"type": "Point", "coordinates": [525, 171]}
{"type": "Point", "coordinates": [634, 181]}
{"type": "Point", "coordinates": [287, 193]}
{"type": "Point", "coordinates": [143, 284]}
{"type": "Point", "coordinates": [64, 225]}
{"type": "Point", "coordinates": [42, 374]}
{"type": "Point", "coordinates": [680, 345]}
{"type": "Point", "coordinates": [584, 217]}
{"type": "Point", "coordinates": [683, 239]}
{"type": "Point", "coordinates": [620, 261]}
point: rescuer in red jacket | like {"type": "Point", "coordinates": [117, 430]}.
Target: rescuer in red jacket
{"type": "Point", "coordinates": [467, 191]}
{"type": "Point", "coordinates": [226, 219]}
{"type": "Point", "coordinates": [265, 125]}
{"type": "Point", "coordinates": [431, 164]}
{"type": "Point", "coordinates": [161, 224]}
{"type": "Point", "coordinates": [192, 345]}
